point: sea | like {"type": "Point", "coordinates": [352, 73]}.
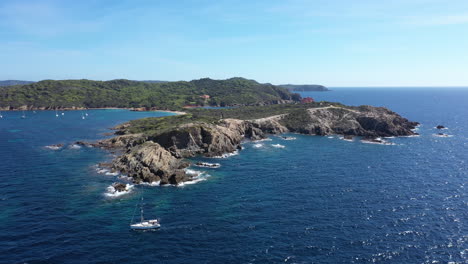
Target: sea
{"type": "Point", "coordinates": [309, 199]}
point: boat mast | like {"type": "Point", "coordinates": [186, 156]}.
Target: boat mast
{"type": "Point", "coordinates": [141, 210]}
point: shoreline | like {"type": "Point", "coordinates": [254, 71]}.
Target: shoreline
{"type": "Point", "coordinates": [97, 108]}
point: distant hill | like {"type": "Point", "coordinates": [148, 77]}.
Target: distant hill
{"type": "Point", "coordinates": [13, 82]}
{"type": "Point", "coordinates": [50, 94]}
{"type": "Point", "coordinates": [305, 87]}
{"type": "Point", "coordinates": [155, 81]}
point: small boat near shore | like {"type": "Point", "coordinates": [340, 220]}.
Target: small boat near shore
{"type": "Point", "coordinates": [207, 165]}
{"type": "Point", "coordinates": [144, 224]}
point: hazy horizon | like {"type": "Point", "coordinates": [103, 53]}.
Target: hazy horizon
{"type": "Point", "coordinates": [348, 86]}
{"type": "Point", "coordinates": [334, 43]}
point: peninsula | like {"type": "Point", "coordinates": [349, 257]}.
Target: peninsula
{"type": "Point", "coordinates": [154, 149]}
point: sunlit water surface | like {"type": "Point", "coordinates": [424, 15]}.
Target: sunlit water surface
{"type": "Point", "coordinates": [315, 200]}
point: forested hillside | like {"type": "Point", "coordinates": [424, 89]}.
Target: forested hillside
{"type": "Point", "coordinates": [125, 93]}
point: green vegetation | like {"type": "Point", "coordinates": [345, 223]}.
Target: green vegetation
{"type": "Point", "coordinates": [126, 93]}
{"type": "Point", "coordinates": [154, 126]}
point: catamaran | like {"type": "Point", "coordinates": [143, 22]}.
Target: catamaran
{"type": "Point", "coordinates": [144, 224]}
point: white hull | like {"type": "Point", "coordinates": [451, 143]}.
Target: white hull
{"type": "Point", "coordinates": [150, 224]}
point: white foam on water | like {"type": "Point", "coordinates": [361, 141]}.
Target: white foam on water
{"type": "Point", "coordinates": [330, 137]}
{"type": "Point", "coordinates": [278, 146]}
{"type": "Point", "coordinates": [197, 179]}
{"type": "Point", "coordinates": [125, 178]}
{"type": "Point", "coordinates": [53, 147]}
{"type": "Point", "coordinates": [227, 155]}
{"type": "Point", "coordinates": [112, 173]}
{"type": "Point", "coordinates": [155, 183]}
{"type": "Point", "coordinates": [261, 140]}
{"type": "Point", "coordinates": [102, 171]}
{"type": "Point", "coordinates": [112, 193]}
{"type": "Point", "coordinates": [444, 135]}
{"type": "Point", "coordinates": [74, 146]}
{"type": "Point", "coordinates": [379, 143]}
{"type": "Point", "coordinates": [193, 172]}
{"type": "Point", "coordinates": [258, 145]}
{"type": "Point", "coordinates": [410, 136]}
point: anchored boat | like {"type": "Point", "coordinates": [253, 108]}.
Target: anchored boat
{"type": "Point", "coordinates": [144, 224]}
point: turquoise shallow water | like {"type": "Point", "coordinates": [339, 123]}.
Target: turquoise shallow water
{"type": "Point", "coordinates": [317, 200]}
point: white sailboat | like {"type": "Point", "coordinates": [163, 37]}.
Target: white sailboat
{"type": "Point", "coordinates": [56, 114]}
{"type": "Point", "coordinates": [24, 115]}
{"type": "Point", "coordinates": [1, 116]}
{"type": "Point", "coordinates": [144, 224]}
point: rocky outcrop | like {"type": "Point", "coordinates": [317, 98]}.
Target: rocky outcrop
{"type": "Point", "coordinates": [364, 121]}
{"type": "Point", "coordinates": [119, 187]}
{"type": "Point", "coordinates": [216, 139]}
{"type": "Point", "coordinates": [159, 157]}
{"type": "Point", "coordinates": [149, 162]}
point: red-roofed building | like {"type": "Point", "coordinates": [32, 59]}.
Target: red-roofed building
{"type": "Point", "coordinates": [205, 96]}
{"type": "Point", "coordinates": [307, 100]}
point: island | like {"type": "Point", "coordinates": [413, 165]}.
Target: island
{"type": "Point", "coordinates": [305, 87]}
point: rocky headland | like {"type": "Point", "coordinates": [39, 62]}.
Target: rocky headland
{"type": "Point", "coordinates": [154, 149]}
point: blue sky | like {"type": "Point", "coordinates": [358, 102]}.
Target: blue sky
{"type": "Point", "coordinates": [330, 42]}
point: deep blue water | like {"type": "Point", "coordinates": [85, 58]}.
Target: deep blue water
{"type": "Point", "coordinates": [318, 200]}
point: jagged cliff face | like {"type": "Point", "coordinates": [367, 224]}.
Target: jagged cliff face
{"type": "Point", "coordinates": [366, 121]}
{"type": "Point", "coordinates": [160, 157]}
{"type": "Point", "coordinates": [149, 162]}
